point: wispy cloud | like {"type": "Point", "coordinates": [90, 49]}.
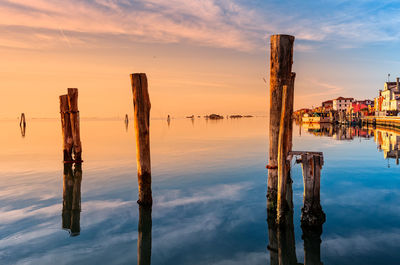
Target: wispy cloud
{"type": "Point", "coordinates": [235, 24]}
{"type": "Point", "coordinates": [228, 24]}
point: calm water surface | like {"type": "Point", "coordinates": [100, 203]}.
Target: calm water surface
{"type": "Point", "coordinates": [209, 187]}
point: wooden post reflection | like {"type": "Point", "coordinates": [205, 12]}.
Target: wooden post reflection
{"type": "Point", "coordinates": [71, 210]}
{"type": "Point", "coordinates": [23, 129]}
{"type": "Point", "coordinates": [282, 244]}
{"type": "Point", "coordinates": [144, 235]}
{"type": "Point", "coordinates": [312, 244]}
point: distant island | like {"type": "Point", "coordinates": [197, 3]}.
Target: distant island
{"type": "Point", "coordinates": [218, 117]}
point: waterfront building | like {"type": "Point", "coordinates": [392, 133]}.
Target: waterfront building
{"type": "Point", "coordinates": [327, 105]}
{"type": "Point", "coordinates": [363, 106]}
{"type": "Point", "coordinates": [390, 97]}
{"type": "Point", "coordinates": [342, 103]}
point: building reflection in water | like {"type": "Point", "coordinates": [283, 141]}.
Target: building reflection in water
{"type": "Point", "coordinates": [387, 139]}
{"type": "Point", "coordinates": [282, 243]}
{"type": "Point", "coordinates": [71, 211]}
{"type": "Point", "coordinates": [144, 235]}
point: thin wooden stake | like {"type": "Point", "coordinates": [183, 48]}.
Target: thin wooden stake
{"type": "Point", "coordinates": [141, 104]}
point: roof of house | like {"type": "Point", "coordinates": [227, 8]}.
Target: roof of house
{"type": "Point", "coordinates": [327, 102]}
{"type": "Point", "coordinates": [341, 98]}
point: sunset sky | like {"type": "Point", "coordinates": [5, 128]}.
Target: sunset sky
{"type": "Point", "coordinates": [200, 57]}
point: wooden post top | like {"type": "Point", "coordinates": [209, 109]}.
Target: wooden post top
{"type": "Point", "coordinates": [282, 36]}
{"type": "Point", "coordinates": [64, 103]}
{"type": "Point", "coordinates": [73, 99]}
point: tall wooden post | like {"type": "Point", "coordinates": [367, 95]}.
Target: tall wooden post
{"type": "Point", "coordinates": [66, 128]}
{"type": "Point", "coordinates": [75, 127]}
{"type": "Point", "coordinates": [311, 213]}
{"type": "Point", "coordinates": [280, 74]}
{"type": "Point", "coordinates": [141, 104]}
{"type": "Point", "coordinates": [144, 235]}
{"type": "Point", "coordinates": [284, 147]}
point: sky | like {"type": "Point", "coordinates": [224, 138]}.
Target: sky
{"type": "Point", "coordinates": [200, 56]}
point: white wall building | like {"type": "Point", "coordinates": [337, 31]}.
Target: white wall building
{"type": "Point", "coordinates": [342, 103]}
{"type": "Point", "coordinates": [391, 96]}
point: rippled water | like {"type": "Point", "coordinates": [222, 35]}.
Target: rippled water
{"type": "Point", "coordinates": [209, 187]}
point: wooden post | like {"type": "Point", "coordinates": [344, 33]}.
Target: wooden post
{"type": "Point", "coordinates": [285, 146]}
{"type": "Point", "coordinates": [126, 122]}
{"type": "Point", "coordinates": [141, 104]}
{"type": "Point", "coordinates": [22, 121]}
{"type": "Point", "coordinates": [280, 74]}
{"type": "Point", "coordinates": [75, 127]}
{"type": "Point", "coordinates": [311, 213]}
{"type": "Point", "coordinates": [66, 128]}
{"type": "Point", "coordinates": [144, 235]}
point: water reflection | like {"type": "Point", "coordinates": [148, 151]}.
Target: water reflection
{"type": "Point", "coordinates": [312, 244]}
{"type": "Point", "coordinates": [282, 243]}
{"type": "Point", "coordinates": [71, 211]}
{"type": "Point", "coordinates": [386, 139]}
{"type": "Point", "coordinates": [144, 235]}
{"type": "Point", "coordinates": [23, 129]}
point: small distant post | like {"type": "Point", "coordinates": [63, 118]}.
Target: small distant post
{"type": "Point", "coordinates": [22, 121]}
{"type": "Point", "coordinates": [281, 75]}
{"type": "Point", "coordinates": [75, 127]}
{"type": "Point", "coordinates": [311, 213]}
{"type": "Point", "coordinates": [141, 104]}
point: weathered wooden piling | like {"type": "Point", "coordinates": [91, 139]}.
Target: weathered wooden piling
{"type": "Point", "coordinates": [311, 213]}
{"type": "Point", "coordinates": [66, 128]}
{"type": "Point", "coordinates": [281, 61]}
{"type": "Point", "coordinates": [144, 235]}
{"type": "Point", "coordinates": [284, 147]}
{"type": "Point", "coordinates": [141, 104]}
{"type": "Point", "coordinates": [75, 123]}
